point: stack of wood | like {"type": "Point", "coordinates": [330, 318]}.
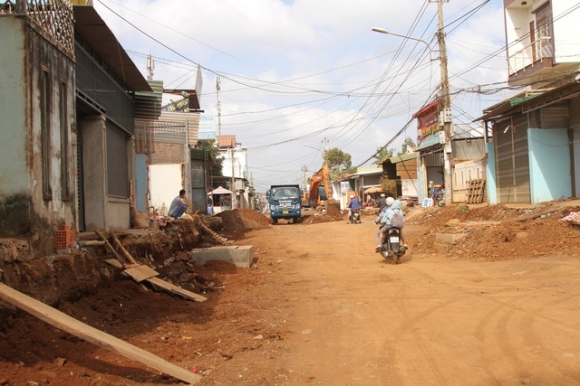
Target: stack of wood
{"type": "Point", "coordinates": [141, 273]}
{"type": "Point", "coordinates": [475, 191]}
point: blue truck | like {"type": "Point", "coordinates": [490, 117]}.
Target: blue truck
{"type": "Point", "coordinates": [284, 201]}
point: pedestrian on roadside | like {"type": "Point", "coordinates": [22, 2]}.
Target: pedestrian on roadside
{"type": "Point", "coordinates": [178, 205]}
{"type": "Point", "coordinates": [210, 206]}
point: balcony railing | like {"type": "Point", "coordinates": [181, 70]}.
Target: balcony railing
{"type": "Point", "coordinates": [54, 18]}
{"type": "Point", "coordinates": [530, 54]}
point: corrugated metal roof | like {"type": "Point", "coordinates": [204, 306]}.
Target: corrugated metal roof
{"type": "Point", "coordinates": [403, 157]}
{"type": "Point", "coordinates": [95, 31]}
{"type": "Point", "coordinates": [148, 104]}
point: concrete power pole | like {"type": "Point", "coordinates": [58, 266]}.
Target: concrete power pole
{"type": "Point", "coordinates": [304, 181]}
{"type": "Point", "coordinates": [219, 104]}
{"type": "Point", "coordinates": [150, 67]}
{"type": "Point", "coordinates": [233, 179]}
{"type": "Point", "coordinates": [445, 111]}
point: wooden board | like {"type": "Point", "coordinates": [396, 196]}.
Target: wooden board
{"type": "Point", "coordinates": [114, 263]}
{"type": "Point", "coordinates": [140, 273]}
{"type": "Point", "coordinates": [122, 248]}
{"type": "Point", "coordinates": [175, 289]}
{"type": "Point", "coordinates": [92, 335]}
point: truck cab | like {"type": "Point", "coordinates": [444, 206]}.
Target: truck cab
{"type": "Point", "coordinates": [284, 201]}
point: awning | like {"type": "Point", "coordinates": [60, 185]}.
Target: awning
{"type": "Point", "coordinates": [373, 189]}
{"type": "Point", "coordinates": [220, 190]}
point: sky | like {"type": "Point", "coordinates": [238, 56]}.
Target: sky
{"type": "Point", "coordinates": [297, 76]}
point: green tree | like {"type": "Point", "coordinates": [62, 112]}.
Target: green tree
{"type": "Point", "coordinates": [382, 154]}
{"type": "Point", "coordinates": [217, 162]}
{"type": "Point", "coordinates": [339, 163]}
{"type": "Point", "coordinates": [407, 144]}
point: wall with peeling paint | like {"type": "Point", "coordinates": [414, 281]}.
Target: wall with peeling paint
{"type": "Point", "coordinates": [25, 211]}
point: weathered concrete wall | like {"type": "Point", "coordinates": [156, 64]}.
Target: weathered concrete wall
{"type": "Point", "coordinates": [32, 68]}
{"type": "Point", "coordinates": [14, 183]}
{"type": "Point", "coordinates": [94, 170]}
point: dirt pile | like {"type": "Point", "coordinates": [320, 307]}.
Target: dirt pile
{"type": "Point", "coordinates": [495, 232]}
{"type": "Point", "coordinates": [237, 221]}
{"type": "Point", "coordinates": [331, 213]}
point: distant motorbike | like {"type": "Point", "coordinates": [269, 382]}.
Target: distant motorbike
{"type": "Point", "coordinates": [355, 216]}
{"type": "Point", "coordinates": [391, 249]}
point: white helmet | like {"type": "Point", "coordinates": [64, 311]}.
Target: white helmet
{"type": "Point", "coordinates": [390, 201]}
{"type": "Point", "coordinates": [382, 194]}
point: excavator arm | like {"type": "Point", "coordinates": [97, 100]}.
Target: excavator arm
{"type": "Point", "coordinates": [320, 190]}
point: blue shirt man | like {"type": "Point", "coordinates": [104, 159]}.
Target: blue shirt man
{"type": "Point", "coordinates": [354, 203]}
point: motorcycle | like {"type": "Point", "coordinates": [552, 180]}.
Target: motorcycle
{"type": "Point", "coordinates": [355, 216]}
{"type": "Point", "coordinates": [391, 248]}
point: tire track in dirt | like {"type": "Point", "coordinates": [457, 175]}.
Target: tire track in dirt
{"type": "Point", "coordinates": [352, 263]}
{"type": "Point", "coordinates": [480, 335]}
{"type": "Point", "coordinates": [565, 370]}
{"type": "Point", "coordinates": [503, 334]}
{"type": "Point", "coordinates": [407, 325]}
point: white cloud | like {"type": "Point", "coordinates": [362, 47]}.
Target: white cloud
{"type": "Point", "coordinates": [291, 69]}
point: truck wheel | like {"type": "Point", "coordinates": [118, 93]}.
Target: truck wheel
{"type": "Point", "coordinates": [274, 220]}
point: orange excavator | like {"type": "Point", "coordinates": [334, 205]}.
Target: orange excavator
{"type": "Point", "coordinates": [320, 189]}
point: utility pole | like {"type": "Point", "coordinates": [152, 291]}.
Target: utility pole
{"type": "Point", "coordinates": [445, 110]}
{"type": "Point", "coordinates": [219, 104]}
{"type": "Point", "coordinates": [233, 179]}
{"type": "Point", "coordinates": [150, 67]}
{"type": "Point", "coordinates": [304, 181]}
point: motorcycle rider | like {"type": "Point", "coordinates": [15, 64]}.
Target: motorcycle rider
{"type": "Point", "coordinates": [353, 204]}
{"type": "Point", "coordinates": [382, 202]}
{"type": "Point", "coordinates": [393, 206]}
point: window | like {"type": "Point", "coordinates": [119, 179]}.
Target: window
{"type": "Point", "coordinates": [45, 134]}
{"type": "Point", "coordinates": [64, 173]}
{"type": "Point", "coordinates": [544, 31]}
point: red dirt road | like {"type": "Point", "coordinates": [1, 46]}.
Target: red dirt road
{"type": "Point", "coordinates": [321, 308]}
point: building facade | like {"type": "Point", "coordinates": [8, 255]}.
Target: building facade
{"type": "Point", "coordinates": [533, 138]}
{"type": "Point", "coordinates": [38, 126]}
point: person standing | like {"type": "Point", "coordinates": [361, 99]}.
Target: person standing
{"type": "Point", "coordinates": [210, 206]}
{"type": "Point", "coordinates": [178, 205]}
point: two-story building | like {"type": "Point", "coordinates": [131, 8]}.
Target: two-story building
{"type": "Point", "coordinates": [533, 138]}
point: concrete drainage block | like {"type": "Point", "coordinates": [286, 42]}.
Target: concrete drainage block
{"type": "Point", "coordinates": [242, 256]}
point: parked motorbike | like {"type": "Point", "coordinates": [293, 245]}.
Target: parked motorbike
{"type": "Point", "coordinates": [391, 249]}
{"type": "Point", "coordinates": [355, 216]}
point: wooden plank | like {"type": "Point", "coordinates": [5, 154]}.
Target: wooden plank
{"type": "Point", "coordinates": [122, 248]}
{"type": "Point", "coordinates": [91, 243]}
{"type": "Point", "coordinates": [109, 246]}
{"type": "Point", "coordinates": [90, 334]}
{"type": "Point", "coordinates": [140, 273]}
{"type": "Point", "coordinates": [114, 263]}
{"type": "Point", "coordinates": [175, 289]}
{"type": "Point", "coordinates": [216, 236]}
